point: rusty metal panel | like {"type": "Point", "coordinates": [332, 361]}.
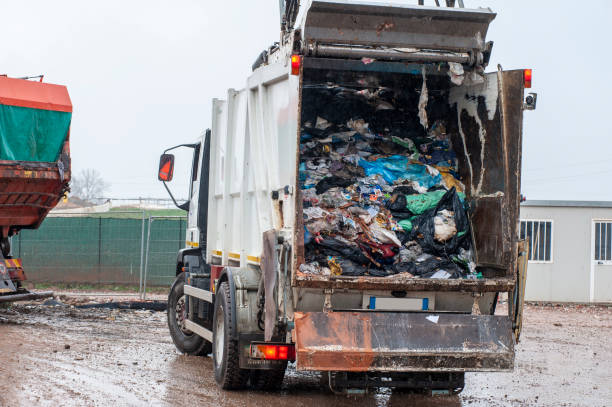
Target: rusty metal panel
{"type": "Point", "coordinates": [371, 24]}
{"type": "Point", "coordinates": [512, 94]}
{"type": "Point", "coordinates": [403, 342]}
{"type": "Point", "coordinates": [488, 125]}
{"type": "Point", "coordinates": [29, 190]}
{"type": "Point", "coordinates": [402, 282]}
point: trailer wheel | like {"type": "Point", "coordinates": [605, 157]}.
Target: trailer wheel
{"type": "Point", "coordinates": [268, 379]}
{"type": "Point", "coordinates": [185, 340]}
{"type": "Point", "coordinates": [226, 352]}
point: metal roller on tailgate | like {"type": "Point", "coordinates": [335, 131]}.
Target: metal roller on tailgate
{"type": "Point", "coordinates": [387, 342]}
{"type": "Point", "coordinates": [353, 29]}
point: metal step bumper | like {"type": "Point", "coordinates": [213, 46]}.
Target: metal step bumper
{"type": "Point", "coordinates": [403, 342]}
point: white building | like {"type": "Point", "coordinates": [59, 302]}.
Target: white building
{"type": "Point", "coordinates": [570, 257]}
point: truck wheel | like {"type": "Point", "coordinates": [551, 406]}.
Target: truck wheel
{"type": "Point", "coordinates": [268, 379]}
{"type": "Point", "coordinates": [185, 340]}
{"type": "Point", "coordinates": [226, 352]}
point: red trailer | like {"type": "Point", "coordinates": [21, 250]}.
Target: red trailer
{"type": "Point", "coordinates": [34, 166]}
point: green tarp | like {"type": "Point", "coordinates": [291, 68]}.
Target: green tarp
{"type": "Point", "coordinates": [28, 134]}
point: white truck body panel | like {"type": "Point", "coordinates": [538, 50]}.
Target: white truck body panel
{"type": "Point", "coordinates": [253, 153]}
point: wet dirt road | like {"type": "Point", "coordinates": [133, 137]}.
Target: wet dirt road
{"type": "Point", "coordinates": [61, 355]}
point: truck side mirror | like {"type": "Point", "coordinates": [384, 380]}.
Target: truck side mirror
{"type": "Point", "coordinates": [166, 167]}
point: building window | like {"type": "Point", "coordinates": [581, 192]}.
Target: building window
{"type": "Point", "coordinates": [603, 246]}
{"type": "Point", "coordinates": [539, 233]}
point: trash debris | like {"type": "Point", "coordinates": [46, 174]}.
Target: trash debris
{"type": "Point", "coordinates": [367, 61]}
{"type": "Point", "coordinates": [456, 73]}
{"type": "Point", "coordinates": [380, 185]}
{"type": "Point", "coordinates": [423, 99]}
{"type": "Point", "coordinates": [444, 225]}
{"type": "Point", "coordinates": [433, 318]}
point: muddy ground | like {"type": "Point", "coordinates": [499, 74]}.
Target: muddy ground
{"type": "Point", "coordinates": [62, 355]}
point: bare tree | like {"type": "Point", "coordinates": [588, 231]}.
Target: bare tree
{"type": "Point", "coordinates": [88, 185]}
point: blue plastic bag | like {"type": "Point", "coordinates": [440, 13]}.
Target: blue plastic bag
{"type": "Point", "coordinates": [398, 166]}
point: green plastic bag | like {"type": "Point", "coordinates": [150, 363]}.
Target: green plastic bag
{"type": "Point", "coordinates": [421, 203]}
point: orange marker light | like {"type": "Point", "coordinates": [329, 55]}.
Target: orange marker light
{"type": "Point", "coordinates": [273, 352]}
{"type": "Point", "coordinates": [296, 61]}
{"type": "Point", "coordinates": [527, 73]}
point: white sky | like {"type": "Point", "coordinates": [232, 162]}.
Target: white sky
{"type": "Point", "coordinates": [142, 74]}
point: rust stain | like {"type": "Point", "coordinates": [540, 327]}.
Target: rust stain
{"type": "Point", "coordinates": [385, 26]}
{"type": "Point", "coordinates": [342, 342]}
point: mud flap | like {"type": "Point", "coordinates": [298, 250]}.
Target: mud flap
{"type": "Point", "coordinates": [518, 294]}
{"type": "Point", "coordinates": [403, 342]}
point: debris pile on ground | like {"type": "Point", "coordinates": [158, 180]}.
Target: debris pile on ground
{"type": "Point", "coordinates": [380, 187]}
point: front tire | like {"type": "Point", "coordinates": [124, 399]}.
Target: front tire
{"type": "Point", "coordinates": [226, 351]}
{"type": "Point", "coordinates": [185, 340]}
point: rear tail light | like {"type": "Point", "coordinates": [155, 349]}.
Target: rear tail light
{"type": "Point", "coordinates": [296, 62]}
{"type": "Point", "coordinates": [273, 352]}
{"type": "Point", "coordinates": [527, 76]}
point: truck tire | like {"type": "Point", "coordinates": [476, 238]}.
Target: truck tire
{"type": "Point", "coordinates": [185, 340]}
{"type": "Point", "coordinates": [226, 352]}
{"type": "Point", "coordinates": [268, 379]}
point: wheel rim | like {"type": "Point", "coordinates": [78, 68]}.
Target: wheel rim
{"type": "Point", "coordinates": [180, 315]}
{"type": "Point", "coordinates": [219, 342]}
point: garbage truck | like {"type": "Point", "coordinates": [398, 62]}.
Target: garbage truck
{"type": "Point", "coordinates": [34, 167]}
{"type": "Point", "coordinates": [353, 209]}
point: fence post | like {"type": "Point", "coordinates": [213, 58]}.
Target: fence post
{"type": "Point", "coordinates": [144, 281]}
{"type": "Point", "coordinates": [142, 236]}
{"type": "Point", "coordinates": [180, 229]}
{"type": "Point", "coordinates": [99, 249]}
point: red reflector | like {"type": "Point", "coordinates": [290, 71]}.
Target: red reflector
{"type": "Point", "coordinates": [527, 75]}
{"type": "Point", "coordinates": [291, 353]}
{"type": "Point", "coordinates": [296, 61]}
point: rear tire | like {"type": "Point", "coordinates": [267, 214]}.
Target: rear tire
{"type": "Point", "coordinates": [226, 351]}
{"type": "Point", "coordinates": [185, 340]}
{"type": "Point", "coordinates": [268, 379]}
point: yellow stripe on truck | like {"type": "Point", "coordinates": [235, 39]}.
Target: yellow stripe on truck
{"type": "Point", "coordinates": [253, 259]}
{"type": "Point", "coordinates": [236, 256]}
{"type": "Point", "coordinates": [192, 244]}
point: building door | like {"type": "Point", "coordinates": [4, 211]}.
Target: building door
{"type": "Point", "coordinates": [601, 261]}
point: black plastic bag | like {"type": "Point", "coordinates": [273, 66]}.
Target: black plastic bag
{"type": "Point", "coordinates": [423, 229]}
{"type": "Point", "coordinates": [349, 268]}
{"type": "Point", "coordinates": [379, 272]}
{"type": "Point", "coordinates": [397, 207]}
{"type": "Point", "coordinates": [333, 247]}
{"type": "Point", "coordinates": [406, 267]}
{"type": "Point", "coordinates": [429, 267]}
{"type": "Point", "coordinates": [405, 190]}
{"type": "Point", "coordinates": [331, 182]}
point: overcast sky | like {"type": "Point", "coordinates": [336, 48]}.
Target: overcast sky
{"type": "Point", "coordinates": [142, 74]}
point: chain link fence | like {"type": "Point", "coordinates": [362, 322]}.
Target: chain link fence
{"type": "Point", "coordinates": [121, 248]}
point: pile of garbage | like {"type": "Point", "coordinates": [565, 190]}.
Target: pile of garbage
{"type": "Point", "coordinates": [380, 186]}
